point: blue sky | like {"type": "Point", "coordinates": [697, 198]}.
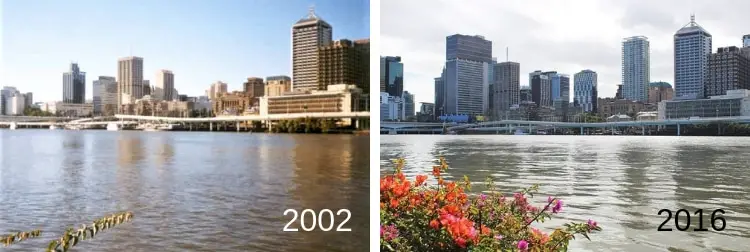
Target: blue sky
{"type": "Point", "coordinates": [201, 41]}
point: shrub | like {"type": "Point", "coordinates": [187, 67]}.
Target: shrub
{"type": "Point", "coordinates": [417, 217]}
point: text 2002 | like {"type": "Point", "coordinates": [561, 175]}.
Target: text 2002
{"type": "Point", "coordinates": [718, 223]}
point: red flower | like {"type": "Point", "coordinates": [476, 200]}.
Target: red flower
{"type": "Point", "coordinates": [434, 224]}
{"type": "Point", "coordinates": [420, 180]}
{"type": "Point", "coordinates": [436, 171]}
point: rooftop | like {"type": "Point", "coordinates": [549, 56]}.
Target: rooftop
{"type": "Point", "coordinates": [311, 18]}
{"type": "Point", "coordinates": [692, 27]}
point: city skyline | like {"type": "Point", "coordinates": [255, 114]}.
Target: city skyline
{"type": "Point", "coordinates": [205, 42]}
{"type": "Point", "coordinates": [566, 41]}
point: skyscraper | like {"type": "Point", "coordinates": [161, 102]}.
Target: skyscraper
{"type": "Point", "coordinates": [392, 75]}
{"type": "Point", "coordinates": [468, 59]}
{"type": "Point", "coordinates": [105, 95]}
{"type": "Point", "coordinates": [506, 88]}
{"type": "Point", "coordinates": [585, 90]}
{"type": "Point", "coordinates": [164, 86]}
{"type": "Point", "coordinates": [728, 69]}
{"type": "Point", "coordinates": [692, 46]}
{"type": "Point", "coordinates": [129, 80]}
{"type": "Point", "coordinates": [74, 85]}
{"type": "Point", "coordinates": [559, 92]}
{"type": "Point", "coordinates": [308, 35]}
{"type": "Point", "coordinates": [746, 40]}
{"type": "Point", "coordinates": [147, 88]}
{"type": "Point", "coordinates": [635, 68]}
{"type": "Point", "coordinates": [408, 104]}
{"type": "Point", "coordinates": [440, 94]}
{"type": "Point", "coordinates": [540, 89]}
{"type": "Point", "coordinates": [344, 62]}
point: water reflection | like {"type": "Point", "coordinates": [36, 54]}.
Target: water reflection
{"type": "Point", "coordinates": [622, 182]}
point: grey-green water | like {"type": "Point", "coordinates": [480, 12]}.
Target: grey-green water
{"type": "Point", "coordinates": [621, 182]}
{"type": "Point", "coordinates": [189, 191]}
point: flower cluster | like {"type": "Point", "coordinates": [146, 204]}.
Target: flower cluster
{"type": "Point", "coordinates": [415, 216]}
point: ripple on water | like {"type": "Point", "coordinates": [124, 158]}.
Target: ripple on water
{"type": "Point", "coordinates": [622, 182]}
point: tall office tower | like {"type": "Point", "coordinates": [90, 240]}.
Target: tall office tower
{"type": "Point", "coordinates": [74, 85]}
{"type": "Point", "coordinates": [147, 88]}
{"type": "Point", "coordinates": [692, 46]}
{"type": "Point", "coordinates": [507, 85]}
{"type": "Point", "coordinates": [164, 86]}
{"type": "Point", "coordinates": [728, 69]}
{"type": "Point", "coordinates": [105, 95]}
{"type": "Point", "coordinates": [635, 68]}
{"type": "Point", "coordinates": [277, 85]}
{"type": "Point", "coordinates": [559, 91]}
{"type": "Point", "coordinates": [440, 94]}
{"type": "Point", "coordinates": [468, 60]}
{"type": "Point", "coordinates": [254, 87]}
{"type": "Point", "coordinates": [129, 80]}
{"type": "Point", "coordinates": [585, 90]}
{"type": "Point", "coordinates": [344, 62]}
{"type": "Point", "coordinates": [746, 40]}
{"type": "Point", "coordinates": [216, 90]}
{"type": "Point", "coordinates": [408, 104]}
{"type": "Point", "coordinates": [308, 34]}
{"type": "Point", "coordinates": [540, 89]}
{"type": "Point", "coordinates": [392, 75]}
{"type": "Point", "coordinates": [489, 110]}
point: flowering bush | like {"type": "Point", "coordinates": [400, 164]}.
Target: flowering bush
{"type": "Point", "coordinates": [418, 217]}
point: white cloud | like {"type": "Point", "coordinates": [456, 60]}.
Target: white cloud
{"type": "Point", "coordinates": [566, 36]}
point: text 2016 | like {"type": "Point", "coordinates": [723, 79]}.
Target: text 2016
{"type": "Point", "coordinates": [718, 223]}
{"type": "Point", "coordinates": [317, 222]}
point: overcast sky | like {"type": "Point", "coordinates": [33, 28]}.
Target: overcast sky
{"type": "Point", "coordinates": [566, 36]}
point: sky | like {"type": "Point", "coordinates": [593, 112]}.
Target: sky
{"type": "Point", "coordinates": [548, 35]}
{"type": "Point", "coordinates": [201, 41]}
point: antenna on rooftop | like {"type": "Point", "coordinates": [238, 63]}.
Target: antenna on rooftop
{"type": "Point", "coordinates": [507, 54]}
{"type": "Point", "coordinates": [312, 11]}
{"type": "Point", "coordinates": [692, 18]}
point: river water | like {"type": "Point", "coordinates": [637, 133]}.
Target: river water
{"type": "Point", "coordinates": [189, 191]}
{"type": "Point", "coordinates": [621, 182]}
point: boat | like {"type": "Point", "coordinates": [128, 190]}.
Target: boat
{"type": "Point", "coordinates": [113, 127]}
{"type": "Point", "coordinates": [53, 127]}
{"type": "Point", "coordinates": [13, 125]}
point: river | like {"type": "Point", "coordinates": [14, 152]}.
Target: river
{"type": "Point", "coordinates": [620, 181]}
{"type": "Point", "coordinates": [189, 191]}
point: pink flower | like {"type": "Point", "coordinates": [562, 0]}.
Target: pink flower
{"type": "Point", "coordinates": [499, 237]}
{"type": "Point", "coordinates": [523, 245]}
{"type": "Point", "coordinates": [558, 207]}
{"type": "Point", "coordinates": [592, 224]}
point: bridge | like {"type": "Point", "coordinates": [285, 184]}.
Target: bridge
{"type": "Point", "coordinates": [246, 118]}
{"type": "Point", "coordinates": [509, 125]}
{"type": "Point", "coordinates": [5, 118]}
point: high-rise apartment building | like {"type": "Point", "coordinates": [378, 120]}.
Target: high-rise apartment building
{"type": "Point", "coordinates": [254, 87]}
{"type": "Point", "coordinates": [692, 46]}
{"type": "Point", "coordinates": [540, 89]}
{"type": "Point", "coordinates": [164, 86]}
{"type": "Point", "coordinates": [308, 35]}
{"type": "Point", "coordinates": [344, 62]}
{"type": "Point", "coordinates": [105, 95]}
{"type": "Point", "coordinates": [74, 85]}
{"type": "Point", "coordinates": [277, 85]}
{"type": "Point", "coordinates": [391, 75]}
{"type": "Point", "coordinates": [585, 90]}
{"type": "Point", "coordinates": [636, 68]}
{"type": "Point", "coordinates": [506, 86]}
{"type": "Point", "coordinates": [728, 69]}
{"type": "Point", "coordinates": [468, 59]}
{"type": "Point", "coordinates": [129, 80]}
